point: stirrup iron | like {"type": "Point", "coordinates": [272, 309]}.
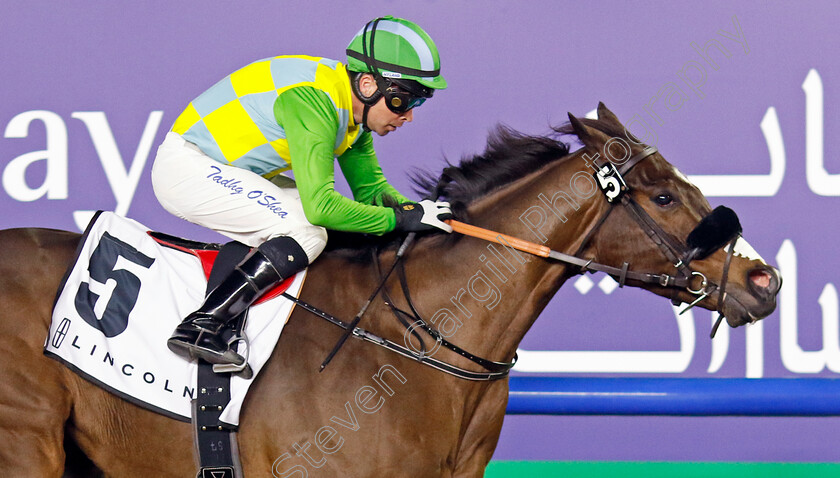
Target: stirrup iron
{"type": "Point", "coordinates": [243, 369]}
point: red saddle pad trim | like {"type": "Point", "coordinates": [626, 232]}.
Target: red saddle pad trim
{"type": "Point", "coordinates": [207, 257]}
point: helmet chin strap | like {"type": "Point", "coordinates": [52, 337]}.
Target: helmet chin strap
{"type": "Point", "coordinates": [369, 56]}
{"type": "Point", "coordinates": [368, 101]}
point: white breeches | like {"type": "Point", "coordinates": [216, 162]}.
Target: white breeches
{"type": "Point", "coordinates": [235, 202]}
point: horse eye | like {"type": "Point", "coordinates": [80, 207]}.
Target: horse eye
{"type": "Point", "coordinates": [663, 199]}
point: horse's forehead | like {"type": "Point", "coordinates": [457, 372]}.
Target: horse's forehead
{"type": "Point", "coordinates": [679, 174]}
{"type": "Point", "coordinates": [661, 169]}
{"type": "Point", "coordinates": [668, 169]}
{"type": "Point", "coordinates": [657, 169]}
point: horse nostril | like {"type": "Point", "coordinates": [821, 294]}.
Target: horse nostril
{"type": "Point", "coordinates": [761, 278]}
{"type": "Point", "coordinates": [764, 282]}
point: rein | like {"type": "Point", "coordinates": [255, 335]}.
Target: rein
{"type": "Point", "coordinates": [611, 182]}
{"type": "Point", "coordinates": [586, 265]}
{"type": "Point", "coordinates": [404, 247]}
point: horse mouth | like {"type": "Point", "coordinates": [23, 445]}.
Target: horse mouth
{"type": "Point", "coordinates": [743, 318]}
{"type": "Point", "coordinates": [757, 301]}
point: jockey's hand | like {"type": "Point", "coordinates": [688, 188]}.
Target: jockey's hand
{"type": "Point", "coordinates": [426, 215]}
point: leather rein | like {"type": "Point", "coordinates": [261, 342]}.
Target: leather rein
{"type": "Point", "coordinates": [612, 185]}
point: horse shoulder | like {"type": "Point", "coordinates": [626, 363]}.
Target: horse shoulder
{"type": "Point", "coordinates": [32, 264]}
{"type": "Point", "coordinates": [24, 250]}
{"type": "Point", "coordinates": [292, 403]}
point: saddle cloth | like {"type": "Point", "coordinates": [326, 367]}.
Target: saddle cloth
{"type": "Point", "coordinates": [118, 305]}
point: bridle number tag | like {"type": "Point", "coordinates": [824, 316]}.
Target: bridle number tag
{"type": "Point", "coordinates": [610, 182]}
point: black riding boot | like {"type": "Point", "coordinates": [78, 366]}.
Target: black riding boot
{"type": "Point", "coordinates": [198, 335]}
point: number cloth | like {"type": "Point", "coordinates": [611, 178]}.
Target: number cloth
{"type": "Point", "coordinates": [119, 303]}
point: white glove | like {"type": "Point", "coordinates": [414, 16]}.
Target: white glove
{"type": "Point", "coordinates": [426, 215]}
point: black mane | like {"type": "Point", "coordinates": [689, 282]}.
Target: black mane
{"type": "Point", "coordinates": [509, 155]}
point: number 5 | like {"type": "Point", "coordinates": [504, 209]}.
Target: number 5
{"type": "Point", "coordinates": [609, 184]}
{"type": "Point", "coordinates": [120, 295]}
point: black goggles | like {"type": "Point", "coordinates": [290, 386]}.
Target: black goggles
{"type": "Point", "coordinates": [400, 97]}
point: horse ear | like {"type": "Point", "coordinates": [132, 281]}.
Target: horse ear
{"type": "Point", "coordinates": [590, 137]}
{"type": "Point", "coordinates": [604, 114]}
{"type": "Point", "coordinates": [579, 128]}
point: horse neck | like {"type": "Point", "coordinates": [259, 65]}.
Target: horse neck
{"type": "Point", "coordinates": [489, 293]}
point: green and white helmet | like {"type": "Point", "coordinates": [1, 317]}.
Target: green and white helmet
{"type": "Point", "coordinates": [396, 48]}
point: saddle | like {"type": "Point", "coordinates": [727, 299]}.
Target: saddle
{"type": "Point", "coordinates": [214, 262]}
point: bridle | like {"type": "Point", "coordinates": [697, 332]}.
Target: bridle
{"type": "Point", "coordinates": [716, 230]}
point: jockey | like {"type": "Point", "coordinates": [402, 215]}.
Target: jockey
{"type": "Point", "coordinates": [221, 166]}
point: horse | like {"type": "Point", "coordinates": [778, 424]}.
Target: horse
{"type": "Point", "coordinates": [372, 412]}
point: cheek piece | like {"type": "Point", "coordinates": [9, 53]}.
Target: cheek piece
{"type": "Point", "coordinates": [712, 233]}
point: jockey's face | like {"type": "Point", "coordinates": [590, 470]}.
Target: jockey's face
{"type": "Point", "coordinates": [380, 119]}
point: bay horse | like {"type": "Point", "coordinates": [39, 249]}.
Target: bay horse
{"type": "Point", "coordinates": [373, 413]}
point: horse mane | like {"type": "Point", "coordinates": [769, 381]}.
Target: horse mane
{"type": "Point", "coordinates": [508, 156]}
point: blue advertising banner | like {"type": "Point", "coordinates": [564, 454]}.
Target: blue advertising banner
{"type": "Point", "coordinates": [737, 95]}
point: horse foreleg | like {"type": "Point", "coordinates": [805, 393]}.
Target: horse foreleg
{"type": "Point", "coordinates": [126, 441]}
{"type": "Point", "coordinates": [34, 406]}
{"type": "Point", "coordinates": [35, 401]}
{"type": "Point", "coordinates": [482, 434]}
